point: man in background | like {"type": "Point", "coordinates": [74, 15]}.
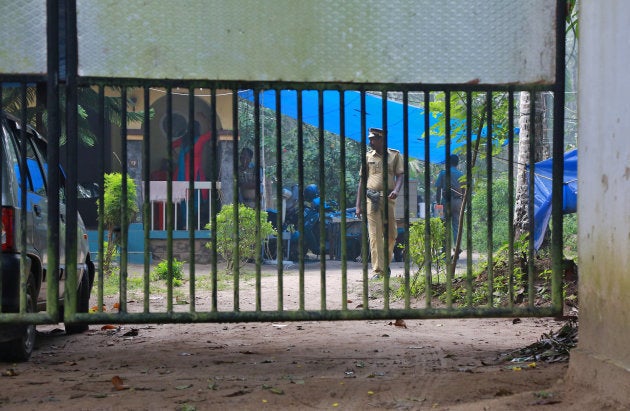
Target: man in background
{"type": "Point", "coordinates": [376, 204]}
{"type": "Point", "coordinates": [451, 194]}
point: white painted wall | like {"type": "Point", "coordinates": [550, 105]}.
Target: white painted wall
{"type": "Point", "coordinates": [602, 359]}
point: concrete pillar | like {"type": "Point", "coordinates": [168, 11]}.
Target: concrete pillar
{"type": "Point", "coordinates": [602, 359]}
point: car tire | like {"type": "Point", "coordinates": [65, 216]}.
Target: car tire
{"type": "Point", "coordinates": [20, 349]}
{"type": "Point", "coordinates": [83, 304]}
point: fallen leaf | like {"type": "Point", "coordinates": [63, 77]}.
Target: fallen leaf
{"type": "Point", "coordinates": [183, 387]}
{"type": "Point", "coordinates": [10, 372]}
{"type": "Point", "coordinates": [116, 306]}
{"type": "Point", "coordinates": [400, 323]}
{"type": "Point", "coordinates": [131, 333]}
{"type": "Point", "coordinates": [108, 327]}
{"type": "Point", "coordinates": [118, 383]}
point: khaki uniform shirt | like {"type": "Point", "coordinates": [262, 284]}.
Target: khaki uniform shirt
{"type": "Point", "coordinates": [375, 169]}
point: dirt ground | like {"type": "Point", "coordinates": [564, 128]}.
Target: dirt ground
{"type": "Point", "coordinates": [438, 364]}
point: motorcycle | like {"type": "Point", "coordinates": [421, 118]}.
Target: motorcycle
{"type": "Point", "coordinates": [311, 235]}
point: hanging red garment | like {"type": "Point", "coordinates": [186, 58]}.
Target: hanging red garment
{"type": "Point", "coordinates": [181, 172]}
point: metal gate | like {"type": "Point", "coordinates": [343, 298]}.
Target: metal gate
{"type": "Point", "coordinates": [178, 142]}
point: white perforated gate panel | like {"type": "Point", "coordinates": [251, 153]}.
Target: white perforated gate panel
{"type": "Point", "coordinates": [396, 41]}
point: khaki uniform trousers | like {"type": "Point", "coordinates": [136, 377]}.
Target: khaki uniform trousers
{"type": "Point", "coordinates": [376, 228]}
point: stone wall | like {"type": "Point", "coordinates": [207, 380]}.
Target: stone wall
{"type": "Point", "coordinates": [181, 250]}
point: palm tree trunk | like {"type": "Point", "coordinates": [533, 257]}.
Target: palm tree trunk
{"type": "Point", "coordinates": [521, 216]}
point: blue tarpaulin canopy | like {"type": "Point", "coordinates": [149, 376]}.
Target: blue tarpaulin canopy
{"type": "Point", "coordinates": [542, 193]}
{"type": "Point", "coordinates": [373, 118]}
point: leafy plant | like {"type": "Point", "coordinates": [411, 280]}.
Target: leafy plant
{"type": "Point", "coordinates": [570, 235]}
{"type": "Point", "coordinates": [500, 217]}
{"type": "Point", "coordinates": [113, 218]}
{"type": "Point", "coordinates": [88, 98]}
{"type": "Point", "coordinates": [160, 272]}
{"type": "Point", "coordinates": [417, 250]}
{"type": "Point", "coordinates": [229, 230]}
{"type": "Point", "coordinates": [502, 279]}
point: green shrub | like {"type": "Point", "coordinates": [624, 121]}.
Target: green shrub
{"type": "Point", "coordinates": [417, 250]}
{"type": "Point", "coordinates": [248, 248]}
{"type": "Point", "coordinates": [160, 272]}
{"type": "Point", "coordinates": [500, 217]}
{"type": "Point", "coordinates": [113, 212]}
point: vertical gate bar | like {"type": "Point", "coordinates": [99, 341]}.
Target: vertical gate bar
{"type": "Point", "coordinates": [322, 198]}
{"type": "Point", "coordinates": [511, 199]}
{"type": "Point", "coordinates": [53, 134]}
{"type": "Point", "coordinates": [405, 100]}
{"type": "Point", "coordinates": [23, 175]}
{"type": "Point", "coordinates": [101, 195]}
{"type": "Point", "coordinates": [450, 266]}
{"type": "Point", "coordinates": [124, 229]}
{"type": "Point", "coordinates": [300, 148]}
{"type": "Point", "coordinates": [146, 204]}
{"type": "Point", "coordinates": [558, 162]}
{"type": "Point", "coordinates": [385, 202]}
{"type": "Point", "coordinates": [428, 263]}
{"type": "Point", "coordinates": [192, 133]}
{"type": "Point", "coordinates": [259, 239]}
{"type": "Point", "coordinates": [214, 194]}
{"type": "Point", "coordinates": [1, 174]}
{"type": "Point", "coordinates": [70, 287]}
{"type": "Point", "coordinates": [279, 245]}
{"type": "Point", "coordinates": [191, 197]}
{"type": "Point", "coordinates": [467, 204]}
{"type": "Point", "coordinates": [490, 214]}
{"type": "Point", "coordinates": [342, 200]}
{"type": "Point", "coordinates": [235, 165]}
{"type": "Point", "coordinates": [170, 212]}
{"type": "Point", "coordinates": [362, 200]}
{"type": "Point", "coordinates": [530, 201]}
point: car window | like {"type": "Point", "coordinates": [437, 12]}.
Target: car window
{"type": "Point", "coordinates": [36, 171]}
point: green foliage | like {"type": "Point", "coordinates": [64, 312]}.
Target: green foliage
{"type": "Point", "coordinates": [88, 99]}
{"type": "Point", "coordinates": [479, 102]}
{"type": "Point", "coordinates": [417, 251]}
{"type": "Point", "coordinates": [160, 272]}
{"type": "Point", "coordinates": [113, 211]}
{"type": "Point", "coordinates": [226, 233]}
{"type": "Point", "coordinates": [500, 278]}
{"type": "Point", "coordinates": [311, 156]}
{"type": "Point", "coordinates": [500, 217]}
{"type": "Point", "coordinates": [570, 234]}
{"type": "Point", "coordinates": [113, 205]}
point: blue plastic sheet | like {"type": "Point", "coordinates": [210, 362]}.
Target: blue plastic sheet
{"type": "Point", "coordinates": [373, 118]}
{"type": "Point", "coordinates": [543, 172]}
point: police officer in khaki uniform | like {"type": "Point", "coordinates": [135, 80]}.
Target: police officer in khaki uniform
{"type": "Point", "coordinates": [376, 202]}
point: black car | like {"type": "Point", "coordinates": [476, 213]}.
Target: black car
{"type": "Point", "coordinates": [17, 341]}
